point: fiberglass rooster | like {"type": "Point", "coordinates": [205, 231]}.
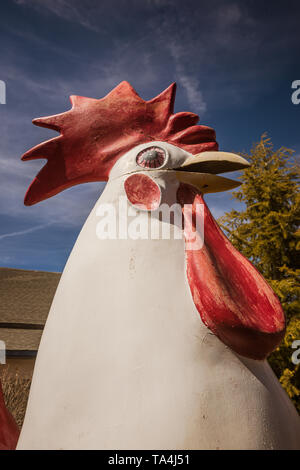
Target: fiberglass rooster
{"type": "Point", "coordinates": [149, 343]}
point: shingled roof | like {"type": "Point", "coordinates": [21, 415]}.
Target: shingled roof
{"type": "Point", "coordinates": [25, 301]}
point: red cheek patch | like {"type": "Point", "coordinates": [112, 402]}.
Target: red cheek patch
{"type": "Point", "coordinates": [143, 192]}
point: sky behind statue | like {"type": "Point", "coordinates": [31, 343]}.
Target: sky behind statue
{"type": "Point", "coordinates": [234, 64]}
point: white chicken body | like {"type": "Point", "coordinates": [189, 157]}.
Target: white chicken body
{"type": "Point", "coordinates": [125, 361]}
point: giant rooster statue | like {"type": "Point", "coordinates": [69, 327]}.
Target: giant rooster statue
{"type": "Point", "coordinates": [152, 343]}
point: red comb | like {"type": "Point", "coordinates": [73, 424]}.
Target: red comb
{"type": "Point", "coordinates": [94, 134]}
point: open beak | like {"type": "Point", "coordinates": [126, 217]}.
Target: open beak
{"type": "Point", "coordinates": [201, 171]}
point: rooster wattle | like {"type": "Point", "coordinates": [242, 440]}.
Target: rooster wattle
{"type": "Point", "coordinates": [151, 343]}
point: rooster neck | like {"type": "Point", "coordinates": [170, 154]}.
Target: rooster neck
{"type": "Point", "coordinates": [148, 274]}
{"type": "Point", "coordinates": [126, 362]}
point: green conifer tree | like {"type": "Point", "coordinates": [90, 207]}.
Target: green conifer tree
{"type": "Point", "coordinates": [267, 232]}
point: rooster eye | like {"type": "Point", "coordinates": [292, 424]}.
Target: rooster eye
{"type": "Point", "coordinates": [151, 157]}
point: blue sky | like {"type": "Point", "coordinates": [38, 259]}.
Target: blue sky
{"type": "Point", "coordinates": [233, 62]}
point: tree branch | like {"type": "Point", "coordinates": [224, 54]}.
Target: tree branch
{"type": "Point", "coordinates": [234, 235]}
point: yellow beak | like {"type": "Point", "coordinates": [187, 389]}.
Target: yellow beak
{"type": "Point", "coordinates": [200, 171]}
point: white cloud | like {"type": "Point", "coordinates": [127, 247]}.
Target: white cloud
{"type": "Point", "coordinates": [229, 15]}
{"type": "Point", "coordinates": [70, 10]}
{"type": "Point", "coordinates": [193, 92]}
{"type": "Point", "coordinates": [184, 74]}
{"type": "Point", "coordinates": [24, 232]}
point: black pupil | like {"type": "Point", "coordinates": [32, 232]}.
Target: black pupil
{"type": "Point", "coordinates": [151, 155]}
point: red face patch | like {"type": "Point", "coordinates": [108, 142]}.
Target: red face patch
{"type": "Point", "coordinates": [143, 192]}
